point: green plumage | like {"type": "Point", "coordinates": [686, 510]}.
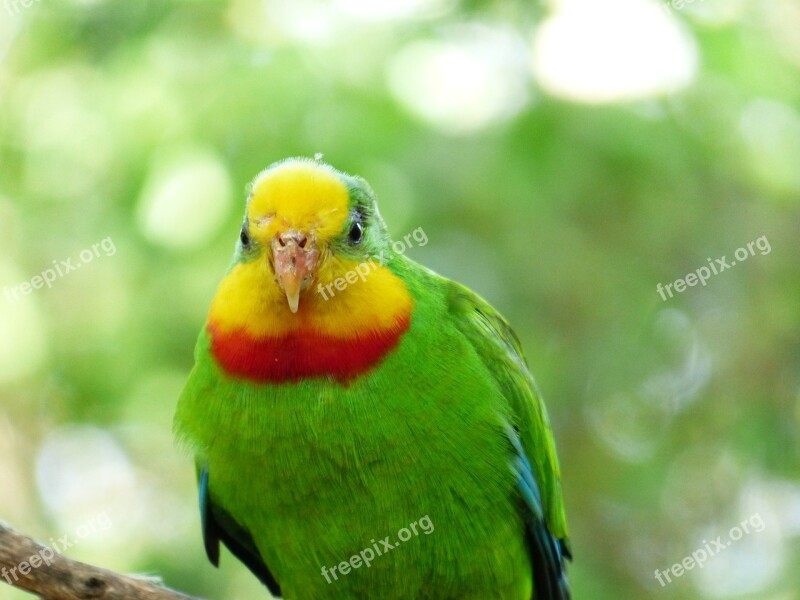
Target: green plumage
{"type": "Point", "coordinates": [304, 475]}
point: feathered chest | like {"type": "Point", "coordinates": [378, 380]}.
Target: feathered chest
{"type": "Point", "coordinates": [302, 353]}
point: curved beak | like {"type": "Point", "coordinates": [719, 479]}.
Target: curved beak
{"type": "Point", "coordinates": [295, 258]}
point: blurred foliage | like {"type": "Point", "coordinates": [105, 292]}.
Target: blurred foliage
{"type": "Point", "coordinates": [142, 122]}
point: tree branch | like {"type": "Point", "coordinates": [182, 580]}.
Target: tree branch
{"type": "Point", "coordinates": [28, 565]}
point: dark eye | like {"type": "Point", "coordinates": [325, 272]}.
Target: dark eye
{"type": "Point", "coordinates": [356, 232]}
{"type": "Point", "coordinates": [244, 237]}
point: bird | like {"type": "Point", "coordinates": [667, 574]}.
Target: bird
{"type": "Point", "coordinates": [361, 426]}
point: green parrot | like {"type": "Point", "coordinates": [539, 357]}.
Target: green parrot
{"type": "Point", "coordinates": [363, 427]}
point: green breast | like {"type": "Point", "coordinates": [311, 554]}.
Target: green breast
{"type": "Point", "coordinates": [318, 471]}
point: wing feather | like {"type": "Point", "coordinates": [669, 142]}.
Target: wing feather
{"type": "Point", "coordinates": [530, 437]}
{"type": "Point", "coordinates": [218, 526]}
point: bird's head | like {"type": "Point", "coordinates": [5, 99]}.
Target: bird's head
{"type": "Point", "coordinates": [313, 288]}
{"type": "Point", "coordinates": [307, 223]}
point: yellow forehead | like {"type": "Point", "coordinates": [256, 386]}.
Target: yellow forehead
{"type": "Point", "coordinates": [304, 196]}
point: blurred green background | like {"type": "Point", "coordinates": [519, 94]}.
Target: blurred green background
{"type": "Point", "coordinates": [563, 158]}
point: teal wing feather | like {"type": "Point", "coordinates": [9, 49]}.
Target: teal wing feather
{"type": "Point", "coordinates": [530, 437]}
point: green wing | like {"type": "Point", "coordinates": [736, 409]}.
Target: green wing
{"type": "Point", "coordinates": [531, 437]}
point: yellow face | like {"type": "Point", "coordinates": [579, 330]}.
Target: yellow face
{"type": "Point", "coordinates": [296, 211]}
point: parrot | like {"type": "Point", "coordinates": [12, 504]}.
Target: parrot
{"type": "Point", "coordinates": [341, 392]}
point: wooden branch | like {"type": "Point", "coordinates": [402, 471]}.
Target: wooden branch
{"type": "Point", "coordinates": [30, 566]}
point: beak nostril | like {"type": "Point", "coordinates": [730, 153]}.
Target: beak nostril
{"type": "Point", "coordinates": [301, 241]}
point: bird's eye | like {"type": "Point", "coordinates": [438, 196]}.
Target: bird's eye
{"type": "Point", "coordinates": [245, 239]}
{"type": "Point", "coordinates": [356, 232]}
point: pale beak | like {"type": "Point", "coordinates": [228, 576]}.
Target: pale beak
{"type": "Point", "coordinates": [295, 257]}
